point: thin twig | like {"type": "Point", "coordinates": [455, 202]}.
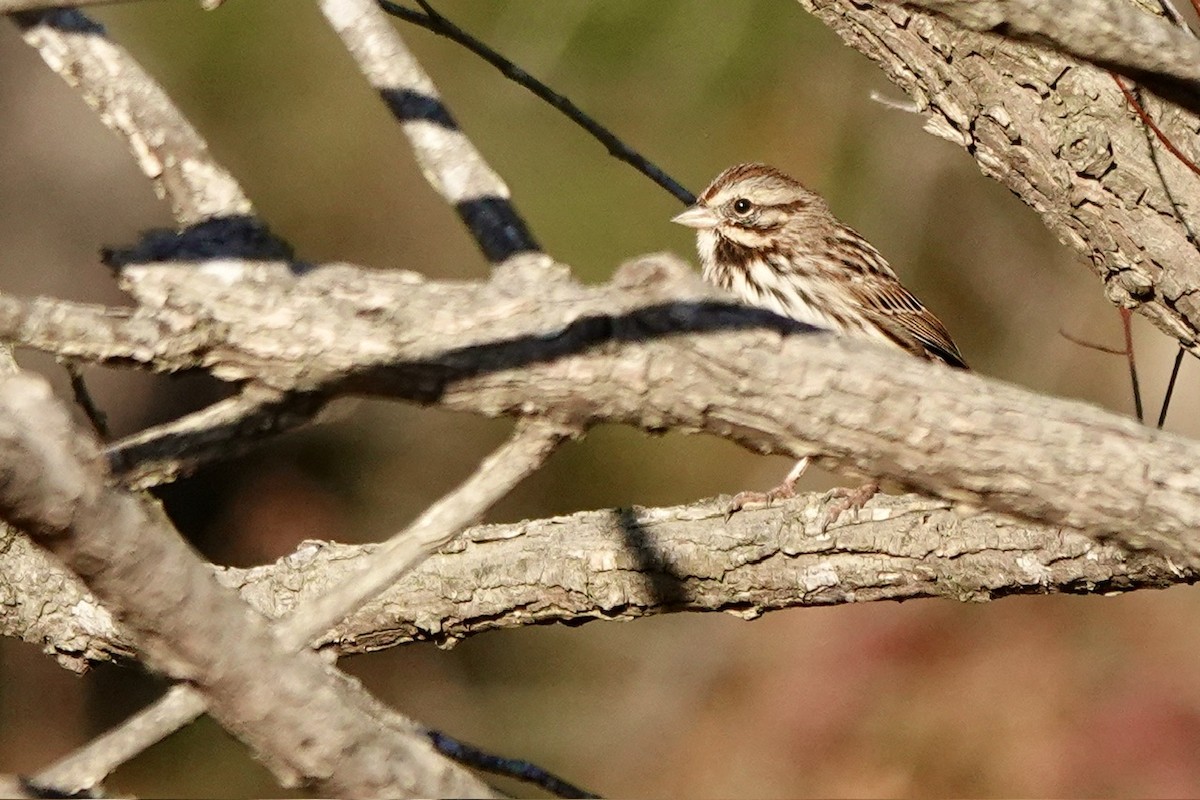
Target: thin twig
{"type": "Point", "coordinates": [83, 398]}
{"type": "Point", "coordinates": [472, 756]}
{"type": "Point", "coordinates": [522, 455]}
{"type": "Point", "coordinates": [896, 104]}
{"type": "Point", "coordinates": [1148, 130]}
{"type": "Point", "coordinates": [1127, 352]}
{"type": "Point", "coordinates": [450, 162]}
{"type": "Point", "coordinates": [227, 428]}
{"type": "Point", "coordinates": [1162, 414]}
{"type": "Point", "coordinates": [1127, 327]}
{"type": "Point", "coordinates": [1112, 351]}
{"type": "Point", "coordinates": [431, 20]}
{"type": "Point", "coordinates": [1173, 14]}
{"type": "Point", "coordinates": [1152, 131]}
{"type": "Point", "coordinates": [86, 766]}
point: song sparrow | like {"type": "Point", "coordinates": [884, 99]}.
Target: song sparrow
{"type": "Point", "coordinates": [773, 243]}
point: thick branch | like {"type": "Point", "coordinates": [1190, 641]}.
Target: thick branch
{"type": "Point", "coordinates": [1118, 35]}
{"type": "Point", "coordinates": [616, 353]}
{"type": "Point", "coordinates": [531, 444]}
{"type": "Point", "coordinates": [1060, 135]}
{"type": "Point", "coordinates": [54, 486]}
{"type": "Point", "coordinates": [644, 561]}
{"type": "Point", "coordinates": [626, 563]}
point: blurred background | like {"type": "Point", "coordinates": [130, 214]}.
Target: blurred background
{"type": "Point", "coordinates": [1026, 696]}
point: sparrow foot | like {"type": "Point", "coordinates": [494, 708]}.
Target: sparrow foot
{"type": "Point", "coordinates": [847, 500]}
{"type": "Point", "coordinates": [781, 492]}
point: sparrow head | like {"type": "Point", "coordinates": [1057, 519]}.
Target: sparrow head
{"type": "Point", "coordinates": [750, 203]}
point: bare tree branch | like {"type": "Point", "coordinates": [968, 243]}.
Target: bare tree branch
{"type": "Point", "coordinates": [84, 769]}
{"type": "Point", "coordinates": [224, 430]}
{"type": "Point", "coordinates": [203, 196]}
{"type": "Point", "coordinates": [240, 423]}
{"type": "Point", "coordinates": [166, 147]}
{"type": "Point", "coordinates": [1060, 136]}
{"type": "Point", "coordinates": [278, 702]}
{"type": "Point", "coordinates": [654, 350]}
{"type": "Point", "coordinates": [628, 563]}
{"type": "Point", "coordinates": [435, 22]}
{"type": "Point", "coordinates": [615, 353]}
{"type": "Point", "coordinates": [48, 606]}
{"type": "Point", "coordinates": [197, 436]}
{"type": "Point", "coordinates": [451, 164]}
{"type": "Point", "coordinates": [441, 523]}
{"type": "Point", "coordinates": [523, 454]}
{"type": "Point", "coordinates": [1118, 35]}
{"type": "Point", "coordinates": [639, 562]}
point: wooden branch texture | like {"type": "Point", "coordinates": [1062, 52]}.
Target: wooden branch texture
{"type": "Point", "coordinates": [1132, 38]}
{"type": "Point", "coordinates": [628, 563]}
{"type": "Point", "coordinates": [168, 150]}
{"type": "Point", "coordinates": [618, 353]}
{"type": "Point", "coordinates": [307, 729]}
{"type": "Point", "coordinates": [654, 349]}
{"type": "Point", "coordinates": [657, 351]}
{"type": "Point", "coordinates": [1056, 132]}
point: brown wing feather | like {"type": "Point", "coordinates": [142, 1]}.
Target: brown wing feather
{"type": "Point", "coordinates": [906, 320]}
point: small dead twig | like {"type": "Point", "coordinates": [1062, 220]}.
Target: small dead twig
{"type": "Point", "coordinates": [1126, 351]}
{"type": "Point", "coordinates": [83, 398]}
{"type": "Point", "coordinates": [433, 21]}
{"type": "Point", "coordinates": [1134, 98]}
{"type": "Point", "coordinates": [1162, 414]}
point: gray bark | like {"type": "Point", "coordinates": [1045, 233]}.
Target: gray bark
{"type": "Point", "coordinates": [1056, 132]}
{"type": "Point", "coordinates": [629, 563]}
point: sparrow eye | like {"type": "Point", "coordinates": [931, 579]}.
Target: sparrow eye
{"type": "Point", "coordinates": [742, 205]}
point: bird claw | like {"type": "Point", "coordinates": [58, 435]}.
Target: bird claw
{"type": "Point", "coordinates": [848, 499]}
{"type": "Point", "coordinates": [783, 491]}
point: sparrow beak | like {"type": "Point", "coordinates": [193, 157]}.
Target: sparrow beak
{"type": "Point", "coordinates": [697, 217]}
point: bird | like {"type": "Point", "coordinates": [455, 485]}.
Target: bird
{"type": "Point", "coordinates": [775, 244]}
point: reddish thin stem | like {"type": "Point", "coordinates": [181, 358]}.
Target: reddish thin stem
{"type": "Point", "coordinates": [1162, 137]}
{"type": "Point", "coordinates": [1127, 324]}
{"type": "Point", "coordinates": [1112, 351]}
{"type": "Point", "coordinates": [1127, 351]}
